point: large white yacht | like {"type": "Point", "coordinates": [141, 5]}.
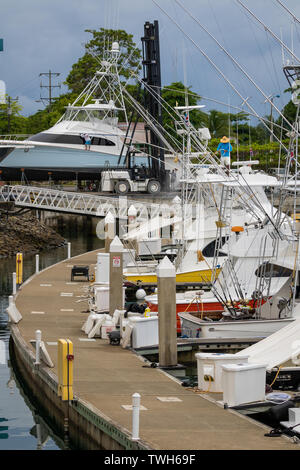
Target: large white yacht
{"type": "Point", "coordinates": [62, 147]}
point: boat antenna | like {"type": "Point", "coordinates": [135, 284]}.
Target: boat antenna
{"type": "Point", "coordinates": [269, 31]}
{"type": "Point", "coordinates": [289, 11]}
{"type": "Point", "coordinates": [220, 72]}
{"type": "Point", "coordinates": [235, 62]}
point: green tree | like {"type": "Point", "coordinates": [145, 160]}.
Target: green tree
{"type": "Point", "coordinates": [10, 119]}
{"type": "Point", "coordinates": [85, 68]}
{"type": "Point", "coordinates": [175, 95]}
{"type": "Point", "coordinates": [217, 123]}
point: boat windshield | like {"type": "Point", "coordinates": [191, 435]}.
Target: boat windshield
{"type": "Point", "coordinates": [87, 115]}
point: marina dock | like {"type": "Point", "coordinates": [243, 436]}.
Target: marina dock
{"type": "Point", "coordinates": [106, 376]}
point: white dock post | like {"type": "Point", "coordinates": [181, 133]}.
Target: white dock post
{"type": "Point", "coordinates": [37, 264]}
{"type": "Point", "coordinates": [10, 300]}
{"type": "Point", "coordinates": [14, 275]}
{"type": "Point", "coordinates": [166, 288]}
{"type": "Point", "coordinates": [69, 250]}
{"type": "Point", "coordinates": [136, 401]}
{"type": "Point", "coordinates": [109, 230]}
{"type": "Point", "coordinates": [38, 338]}
{"type": "Point", "coordinates": [115, 275]}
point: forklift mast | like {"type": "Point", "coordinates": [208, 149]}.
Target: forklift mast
{"type": "Point", "coordinates": [152, 78]}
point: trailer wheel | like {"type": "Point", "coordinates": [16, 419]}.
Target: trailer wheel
{"type": "Point", "coordinates": [153, 187]}
{"type": "Point", "coordinates": [122, 187]}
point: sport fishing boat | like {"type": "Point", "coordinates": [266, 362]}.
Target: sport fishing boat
{"type": "Point", "coordinates": [196, 264]}
{"type": "Point", "coordinates": [93, 115]}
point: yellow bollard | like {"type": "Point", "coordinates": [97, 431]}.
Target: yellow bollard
{"type": "Point", "coordinates": [19, 268]}
{"type": "Point", "coordinates": [65, 369]}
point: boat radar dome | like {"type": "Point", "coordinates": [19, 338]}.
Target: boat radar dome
{"type": "Point", "coordinates": [115, 47]}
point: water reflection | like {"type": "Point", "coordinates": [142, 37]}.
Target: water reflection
{"type": "Point", "coordinates": [21, 426]}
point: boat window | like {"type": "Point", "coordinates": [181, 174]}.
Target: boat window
{"type": "Point", "coordinates": [209, 250]}
{"type": "Point", "coordinates": [57, 138]}
{"type": "Point", "coordinates": [272, 270]}
{"type": "Point", "coordinates": [102, 141]}
{"type": "Point", "coordinates": [68, 139]}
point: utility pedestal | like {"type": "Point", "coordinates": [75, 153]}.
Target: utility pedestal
{"type": "Point", "coordinates": [115, 275]}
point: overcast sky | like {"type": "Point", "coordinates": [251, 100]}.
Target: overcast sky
{"type": "Point", "coordinates": [43, 35]}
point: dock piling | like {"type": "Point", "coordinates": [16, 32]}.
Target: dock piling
{"type": "Point", "coordinates": [166, 287]}
{"type": "Point", "coordinates": [115, 275]}
{"type": "Point", "coordinates": [136, 402]}
{"type": "Point", "coordinates": [69, 250]}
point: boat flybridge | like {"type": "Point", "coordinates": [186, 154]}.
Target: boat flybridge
{"type": "Point", "coordinates": [203, 185]}
{"type": "Point", "coordinates": [62, 147]}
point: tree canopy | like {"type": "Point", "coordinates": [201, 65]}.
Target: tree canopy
{"type": "Point", "coordinates": [85, 68]}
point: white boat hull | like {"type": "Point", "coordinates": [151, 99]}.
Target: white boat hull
{"type": "Point", "coordinates": [194, 327]}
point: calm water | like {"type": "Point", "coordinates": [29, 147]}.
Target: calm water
{"type": "Point", "coordinates": [20, 423]}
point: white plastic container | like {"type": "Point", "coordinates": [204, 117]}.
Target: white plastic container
{"type": "Point", "coordinates": [102, 298]}
{"type": "Point", "coordinates": [210, 364]}
{"type": "Point", "coordinates": [106, 328]}
{"type": "Point", "coordinates": [145, 331]}
{"type": "Point", "coordinates": [243, 383]}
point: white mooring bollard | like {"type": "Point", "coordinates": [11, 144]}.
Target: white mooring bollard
{"type": "Point", "coordinates": [14, 276]}
{"type": "Point", "coordinates": [37, 264]}
{"type": "Point", "coordinates": [38, 339]}
{"type": "Point", "coordinates": [136, 401]}
{"type": "Point", "coordinates": [10, 300]}
{"type": "Point", "coordinates": [69, 250]}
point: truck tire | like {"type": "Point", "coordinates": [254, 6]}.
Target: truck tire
{"type": "Point", "coordinates": [122, 187]}
{"type": "Point", "coordinates": [153, 187]}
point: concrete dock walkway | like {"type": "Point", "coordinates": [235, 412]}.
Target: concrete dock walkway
{"type": "Point", "coordinates": [106, 376]}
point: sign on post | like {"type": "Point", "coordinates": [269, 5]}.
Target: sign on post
{"type": "Point", "coordinates": [116, 261]}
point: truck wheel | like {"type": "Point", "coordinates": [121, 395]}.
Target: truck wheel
{"type": "Point", "coordinates": [122, 187]}
{"type": "Point", "coordinates": [153, 187]}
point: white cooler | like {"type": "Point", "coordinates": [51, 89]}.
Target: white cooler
{"type": "Point", "coordinates": [243, 383]}
{"type": "Point", "coordinates": [102, 297]}
{"type": "Point", "coordinates": [210, 364]}
{"type": "Point", "coordinates": [145, 331]}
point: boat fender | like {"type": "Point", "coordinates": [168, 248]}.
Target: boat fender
{"type": "Point", "coordinates": [13, 313]}
{"type": "Point", "coordinates": [95, 331]}
{"type": "Point", "coordinates": [140, 294]}
{"type": "Point", "coordinates": [90, 322]}
{"type": "Point", "coordinates": [116, 316]}
{"type": "Point", "coordinates": [126, 338]}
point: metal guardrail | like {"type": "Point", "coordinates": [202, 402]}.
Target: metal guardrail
{"type": "Point", "coordinates": [75, 203]}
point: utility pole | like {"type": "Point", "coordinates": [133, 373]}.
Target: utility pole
{"type": "Point", "coordinates": [49, 86]}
